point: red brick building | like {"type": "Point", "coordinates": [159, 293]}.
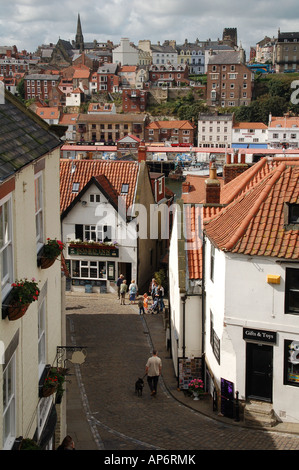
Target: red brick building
{"type": "Point", "coordinates": [229, 80]}
{"type": "Point", "coordinates": [134, 100]}
{"type": "Point", "coordinates": [176, 132]}
{"type": "Point", "coordinates": [106, 74]}
{"type": "Point", "coordinates": [41, 86]}
{"type": "Point", "coordinates": [168, 75]}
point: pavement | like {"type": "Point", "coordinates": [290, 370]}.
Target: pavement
{"type": "Point", "coordinates": [79, 422]}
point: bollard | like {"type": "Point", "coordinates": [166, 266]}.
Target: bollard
{"type": "Point", "coordinates": [237, 409]}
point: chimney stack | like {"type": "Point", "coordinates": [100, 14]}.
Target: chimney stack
{"type": "Point", "coordinates": [234, 168]}
{"type": "Point", "coordinates": [213, 187]}
{"type": "Point", "coordinates": [141, 152]}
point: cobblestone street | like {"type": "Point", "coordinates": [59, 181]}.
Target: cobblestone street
{"type": "Point", "coordinates": [103, 411]}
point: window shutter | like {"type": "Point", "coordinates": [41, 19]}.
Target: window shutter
{"type": "Point", "coordinates": [79, 232]}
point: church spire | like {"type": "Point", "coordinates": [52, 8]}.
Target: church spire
{"type": "Point", "coordinates": [79, 40]}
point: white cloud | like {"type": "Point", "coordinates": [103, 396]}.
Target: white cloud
{"type": "Point", "coordinates": [30, 23]}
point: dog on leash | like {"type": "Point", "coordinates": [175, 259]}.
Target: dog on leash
{"type": "Point", "coordinates": [139, 387]}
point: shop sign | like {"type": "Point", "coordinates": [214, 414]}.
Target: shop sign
{"type": "Point", "coordinates": [263, 336]}
{"type": "Point", "coordinates": [93, 251]}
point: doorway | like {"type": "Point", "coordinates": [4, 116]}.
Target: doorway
{"type": "Point", "coordinates": [259, 371]}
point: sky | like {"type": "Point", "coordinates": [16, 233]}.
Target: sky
{"type": "Point", "coordinates": [30, 23]}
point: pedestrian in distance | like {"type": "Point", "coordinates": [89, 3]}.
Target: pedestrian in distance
{"type": "Point", "coordinates": [160, 292]}
{"type": "Point", "coordinates": [153, 370]}
{"type": "Point", "coordinates": [140, 305]}
{"type": "Point", "coordinates": [152, 289]}
{"type": "Point", "coordinates": [118, 284]}
{"type": "Point", "coordinates": [133, 290]}
{"type": "Point", "coordinates": [67, 444]}
{"type": "Point", "coordinates": [145, 302]}
{"type": "Point", "coordinates": [123, 291]}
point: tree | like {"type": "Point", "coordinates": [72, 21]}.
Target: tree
{"type": "Point", "coordinates": [21, 89]}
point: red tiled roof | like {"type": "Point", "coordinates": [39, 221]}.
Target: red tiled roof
{"type": "Point", "coordinates": [170, 125]}
{"type": "Point", "coordinates": [249, 125]}
{"type": "Point", "coordinates": [81, 171]}
{"type": "Point", "coordinates": [252, 221]}
{"type": "Point", "coordinates": [253, 224]}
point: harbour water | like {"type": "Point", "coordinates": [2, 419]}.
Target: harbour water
{"type": "Point", "coordinates": [175, 187]}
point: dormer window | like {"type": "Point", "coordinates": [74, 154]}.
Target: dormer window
{"type": "Point", "coordinates": [293, 213]}
{"type": "Point", "coordinates": [124, 188]}
{"type": "Point", "coordinates": [291, 216]}
{"type": "Point", "coordinates": [75, 188]}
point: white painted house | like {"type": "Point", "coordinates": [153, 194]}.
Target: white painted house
{"type": "Point", "coordinates": [251, 285]}
{"type": "Point", "coordinates": [125, 53]}
{"type": "Point", "coordinates": [247, 271]}
{"type": "Point", "coordinates": [29, 214]}
{"type": "Point", "coordinates": [103, 235]}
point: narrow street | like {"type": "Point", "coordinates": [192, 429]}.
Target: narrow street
{"type": "Point", "coordinates": [118, 342]}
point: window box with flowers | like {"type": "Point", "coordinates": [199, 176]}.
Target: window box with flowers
{"type": "Point", "coordinates": [50, 252]}
{"type": "Point", "coordinates": [93, 248]}
{"type": "Point", "coordinates": [23, 293]}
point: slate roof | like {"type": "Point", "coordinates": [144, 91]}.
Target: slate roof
{"type": "Point", "coordinates": [251, 215]}
{"type": "Point", "coordinates": [24, 136]}
{"type": "Point", "coordinates": [109, 174]}
{"type": "Point", "coordinates": [229, 57]}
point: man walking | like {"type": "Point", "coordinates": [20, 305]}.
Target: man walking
{"type": "Point", "coordinates": [118, 284]}
{"type": "Point", "coordinates": [153, 371]}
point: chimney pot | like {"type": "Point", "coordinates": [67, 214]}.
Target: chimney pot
{"type": "Point", "coordinates": [212, 187]}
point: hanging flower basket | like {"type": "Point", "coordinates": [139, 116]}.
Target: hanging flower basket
{"type": "Point", "coordinates": [23, 293]}
{"type": "Point", "coordinates": [16, 311]}
{"type": "Point", "coordinates": [46, 262]}
{"type": "Point", "coordinates": [52, 249]}
{"type": "Point", "coordinates": [54, 382]}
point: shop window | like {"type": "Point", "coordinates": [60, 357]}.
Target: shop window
{"type": "Point", "coordinates": [291, 363]}
{"type": "Point", "coordinates": [89, 269]}
{"type": "Point", "coordinates": [292, 291]}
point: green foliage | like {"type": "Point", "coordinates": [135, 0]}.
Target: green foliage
{"type": "Point", "coordinates": [29, 444]}
{"type": "Point", "coordinates": [21, 89]}
{"type": "Point", "coordinates": [161, 278]}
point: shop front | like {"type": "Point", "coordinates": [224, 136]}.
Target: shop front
{"type": "Point", "coordinates": [92, 266]}
{"type": "Point", "coordinates": [259, 363]}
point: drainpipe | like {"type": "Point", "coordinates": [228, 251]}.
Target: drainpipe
{"type": "Point", "coordinates": [203, 297]}
{"type": "Point", "coordinates": [184, 298]}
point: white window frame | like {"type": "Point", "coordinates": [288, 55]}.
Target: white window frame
{"type": "Point", "coordinates": [90, 265]}
{"type": "Point", "coordinates": [39, 209]}
{"type": "Point", "coordinates": [9, 403]}
{"type": "Point", "coordinates": [41, 336]}
{"type": "Point", "coordinates": [6, 245]}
